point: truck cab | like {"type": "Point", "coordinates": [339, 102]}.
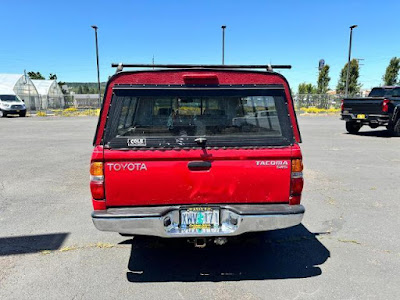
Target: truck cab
{"type": "Point", "coordinates": [198, 152]}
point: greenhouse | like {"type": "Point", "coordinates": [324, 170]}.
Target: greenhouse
{"type": "Point", "coordinates": [22, 86]}
{"type": "Point", "coordinates": [50, 94]}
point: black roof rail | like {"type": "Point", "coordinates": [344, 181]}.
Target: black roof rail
{"type": "Point", "coordinates": [121, 66]}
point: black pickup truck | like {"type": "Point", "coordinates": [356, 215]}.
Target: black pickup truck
{"type": "Point", "coordinates": [380, 108]}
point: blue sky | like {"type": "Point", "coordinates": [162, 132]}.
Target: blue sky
{"type": "Point", "coordinates": [55, 36]}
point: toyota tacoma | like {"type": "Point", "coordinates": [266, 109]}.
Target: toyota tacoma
{"type": "Point", "coordinates": [201, 152]}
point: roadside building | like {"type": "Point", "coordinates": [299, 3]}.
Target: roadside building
{"type": "Point", "coordinates": [22, 86]}
{"type": "Point", "coordinates": [331, 92]}
{"type": "Point", "coordinates": [50, 94]}
{"type": "Point", "coordinates": [365, 93]}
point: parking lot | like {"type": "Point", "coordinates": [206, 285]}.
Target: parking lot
{"type": "Point", "coordinates": [346, 248]}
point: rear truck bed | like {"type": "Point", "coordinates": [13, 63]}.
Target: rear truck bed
{"type": "Point", "coordinates": [365, 111]}
{"type": "Point", "coordinates": [371, 111]}
{"type": "Point", "coordinates": [196, 153]}
{"type": "Point", "coordinates": [380, 108]}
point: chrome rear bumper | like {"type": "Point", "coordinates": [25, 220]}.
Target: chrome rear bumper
{"type": "Point", "coordinates": [163, 221]}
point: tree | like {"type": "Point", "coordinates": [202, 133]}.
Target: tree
{"type": "Point", "coordinates": [35, 75]}
{"type": "Point", "coordinates": [323, 80]}
{"type": "Point", "coordinates": [52, 76]}
{"type": "Point", "coordinates": [354, 86]}
{"type": "Point", "coordinates": [304, 99]}
{"type": "Point", "coordinates": [392, 71]}
{"type": "Point", "coordinates": [80, 90]}
{"type": "Point", "coordinates": [306, 88]}
{"type": "Point", "coordinates": [85, 89]}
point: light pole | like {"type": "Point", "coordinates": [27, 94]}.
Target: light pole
{"type": "Point", "coordinates": [223, 43]}
{"type": "Point", "coordinates": [348, 62]}
{"type": "Point", "coordinates": [97, 58]}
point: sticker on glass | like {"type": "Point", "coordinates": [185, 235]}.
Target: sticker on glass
{"type": "Point", "coordinates": [138, 142]}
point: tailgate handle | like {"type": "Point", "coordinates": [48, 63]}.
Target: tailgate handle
{"type": "Point", "coordinates": [199, 165]}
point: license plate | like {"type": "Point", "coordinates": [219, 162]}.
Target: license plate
{"type": "Point", "coordinates": [360, 116]}
{"type": "Point", "coordinates": [17, 110]}
{"type": "Point", "coordinates": [199, 217]}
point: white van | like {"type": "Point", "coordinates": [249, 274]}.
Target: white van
{"type": "Point", "coordinates": [12, 105]}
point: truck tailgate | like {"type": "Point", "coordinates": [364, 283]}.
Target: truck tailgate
{"type": "Point", "coordinates": [363, 106]}
{"type": "Point", "coordinates": [197, 176]}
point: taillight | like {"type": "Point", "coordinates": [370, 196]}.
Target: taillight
{"type": "Point", "coordinates": [385, 105]}
{"type": "Point", "coordinates": [342, 106]}
{"type": "Point", "coordinates": [200, 79]}
{"type": "Point", "coordinates": [97, 180]}
{"type": "Point", "coordinates": [296, 183]}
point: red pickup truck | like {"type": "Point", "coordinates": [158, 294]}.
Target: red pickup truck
{"type": "Point", "coordinates": [202, 152]}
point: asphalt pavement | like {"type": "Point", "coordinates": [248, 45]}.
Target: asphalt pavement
{"type": "Point", "coordinates": [346, 248]}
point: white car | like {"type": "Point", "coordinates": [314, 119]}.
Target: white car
{"type": "Point", "coordinates": [12, 105]}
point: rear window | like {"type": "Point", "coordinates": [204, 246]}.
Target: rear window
{"type": "Point", "coordinates": [176, 117]}
{"type": "Point", "coordinates": [396, 92]}
{"type": "Point", "coordinates": [380, 92]}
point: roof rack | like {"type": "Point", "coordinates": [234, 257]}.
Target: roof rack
{"type": "Point", "coordinates": [121, 66]}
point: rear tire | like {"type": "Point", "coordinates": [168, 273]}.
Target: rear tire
{"type": "Point", "coordinates": [396, 128]}
{"type": "Point", "coordinates": [352, 127]}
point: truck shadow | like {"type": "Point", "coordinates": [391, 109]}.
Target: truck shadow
{"type": "Point", "coordinates": [31, 243]}
{"type": "Point", "coordinates": [289, 253]}
{"type": "Point", "coordinates": [375, 133]}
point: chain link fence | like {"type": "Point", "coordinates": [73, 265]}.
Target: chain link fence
{"type": "Point", "coordinates": [83, 101]}
{"type": "Point", "coordinates": [78, 101]}
{"type": "Point", "coordinates": [323, 101]}
{"type": "Point", "coordinates": [91, 101]}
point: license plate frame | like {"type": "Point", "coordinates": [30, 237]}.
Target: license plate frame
{"type": "Point", "coordinates": [361, 116]}
{"type": "Point", "coordinates": [210, 213]}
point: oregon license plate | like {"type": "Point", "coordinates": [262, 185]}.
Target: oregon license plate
{"type": "Point", "coordinates": [360, 116]}
{"type": "Point", "coordinates": [199, 217]}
